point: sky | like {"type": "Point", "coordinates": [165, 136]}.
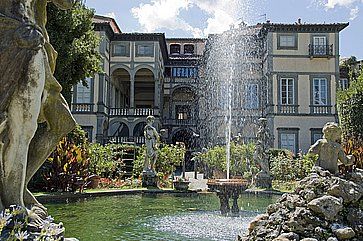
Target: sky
{"type": "Point", "coordinates": [198, 18]}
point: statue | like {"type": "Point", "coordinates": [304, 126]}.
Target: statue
{"type": "Point", "coordinates": [261, 156]}
{"type": "Point", "coordinates": [330, 150]}
{"type": "Point", "coordinates": [33, 114]}
{"type": "Point", "coordinates": [151, 155]}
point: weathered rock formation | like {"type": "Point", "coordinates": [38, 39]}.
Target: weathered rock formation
{"type": "Point", "coordinates": [324, 208]}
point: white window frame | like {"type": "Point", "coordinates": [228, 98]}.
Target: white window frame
{"type": "Point", "coordinates": [318, 95]}
{"type": "Point", "coordinates": [287, 41]}
{"type": "Point", "coordinates": [252, 97]}
{"type": "Point", "coordinates": [320, 45]}
{"type": "Point", "coordinates": [289, 137]}
{"type": "Point", "coordinates": [290, 91]}
{"type": "Point", "coordinates": [84, 92]}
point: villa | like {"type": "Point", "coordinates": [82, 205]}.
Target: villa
{"type": "Point", "coordinates": [294, 81]}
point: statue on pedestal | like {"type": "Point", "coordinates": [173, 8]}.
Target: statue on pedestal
{"type": "Point", "coordinates": [330, 150]}
{"type": "Point", "coordinates": [261, 156]}
{"type": "Point", "coordinates": [33, 114]}
{"type": "Point", "coordinates": [149, 178]}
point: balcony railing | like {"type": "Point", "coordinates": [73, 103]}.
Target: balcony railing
{"type": "Point", "coordinates": [177, 122]}
{"type": "Point", "coordinates": [82, 108]}
{"type": "Point", "coordinates": [133, 112]}
{"type": "Point", "coordinates": [176, 80]}
{"type": "Point", "coordinates": [138, 140]}
{"type": "Point", "coordinates": [288, 109]}
{"type": "Point", "coordinates": [320, 109]}
{"type": "Point", "coordinates": [320, 50]}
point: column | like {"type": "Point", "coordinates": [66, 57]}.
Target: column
{"type": "Point", "coordinates": [132, 94]}
{"type": "Point", "coordinates": [156, 94]}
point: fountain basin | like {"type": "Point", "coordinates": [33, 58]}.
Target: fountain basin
{"type": "Point", "coordinates": [226, 189]}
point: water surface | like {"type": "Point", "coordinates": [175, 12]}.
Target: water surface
{"type": "Point", "coordinates": [155, 217]}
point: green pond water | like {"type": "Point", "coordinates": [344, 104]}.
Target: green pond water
{"type": "Point", "coordinates": [156, 217]}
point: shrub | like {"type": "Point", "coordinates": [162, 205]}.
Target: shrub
{"type": "Point", "coordinates": [241, 164]}
{"type": "Point", "coordinates": [350, 110]}
{"type": "Point", "coordinates": [67, 167]}
{"type": "Point", "coordinates": [169, 157]}
{"type": "Point", "coordinates": [286, 168]}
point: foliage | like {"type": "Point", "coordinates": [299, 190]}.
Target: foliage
{"type": "Point", "coordinates": [16, 223]}
{"type": "Point", "coordinates": [350, 110]}
{"type": "Point", "coordinates": [275, 152]}
{"type": "Point", "coordinates": [71, 34]}
{"type": "Point", "coordinates": [241, 159]}
{"type": "Point", "coordinates": [169, 157]}
{"type": "Point", "coordinates": [286, 168]}
{"type": "Point", "coordinates": [67, 167]}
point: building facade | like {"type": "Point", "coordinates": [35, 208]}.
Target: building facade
{"type": "Point", "coordinates": [293, 74]}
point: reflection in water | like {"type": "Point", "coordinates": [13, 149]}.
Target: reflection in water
{"type": "Point", "coordinates": [155, 217]}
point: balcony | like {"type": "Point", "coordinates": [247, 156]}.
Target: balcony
{"type": "Point", "coordinates": [133, 112]}
{"type": "Point", "coordinates": [82, 108]}
{"type": "Point", "coordinates": [320, 51]}
{"type": "Point", "coordinates": [138, 140]}
{"type": "Point", "coordinates": [288, 109]}
{"type": "Point", "coordinates": [320, 109]}
{"type": "Point", "coordinates": [174, 80]}
{"type": "Point", "coordinates": [177, 122]}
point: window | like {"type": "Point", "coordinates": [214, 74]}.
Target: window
{"type": "Point", "coordinates": [188, 49]}
{"type": "Point", "coordinates": [84, 92]}
{"type": "Point", "coordinates": [344, 84]}
{"type": "Point", "coordinates": [288, 139]}
{"type": "Point", "coordinates": [320, 45]}
{"type": "Point", "coordinates": [287, 41]}
{"type": "Point", "coordinates": [316, 134]}
{"type": "Point", "coordinates": [251, 101]}
{"type": "Point", "coordinates": [175, 49]}
{"type": "Point", "coordinates": [185, 72]}
{"type": "Point", "coordinates": [183, 112]}
{"type": "Point", "coordinates": [121, 50]}
{"type": "Point", "coordinates": [320, 91]}
{"type": "Point", "coordinates": [287, 95]}
{"type": "Point", "coordinates": [146, 49]}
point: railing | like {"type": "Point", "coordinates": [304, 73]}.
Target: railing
{"type": "Point", "coordinates": [138, 140]}
{"type": "Point", "coordinates": [176, 80]}
{"type": "Point", "coordinates": [133, 112]}
{"type": "Point", "coordinates": [287, 109]}
{"type": "Point", "coordinates": [320, 50]}
{"type": "Point", "coordinates": [177, 122]}
{"type": "Point", "coordinates": [320, 109]}
{"type": "Point", "coordinates": [82, 108]}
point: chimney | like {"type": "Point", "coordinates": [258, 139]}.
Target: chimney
{"type": "Point", "coordinates": [299, 21]}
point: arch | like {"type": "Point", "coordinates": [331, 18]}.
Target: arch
{"type": "Point", "coordinates": [183, 135]}
{"type": "Point", "coordinates": [144, 66]}
{"type": "Point", "coordinates": [118, 129]}
{"type": "Point", "coordinates": [186, 86]}
{"type": "Point", "coordinates": [139, 129]}
{"type": "Point", "coordinates": [120, 66]}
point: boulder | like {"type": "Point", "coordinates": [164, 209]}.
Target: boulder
{"type": "Point", "coordinates": [288, 237]}
{"type": "Point", "coordinates": [344, 233]}
{"type": "Point", "coordinates": [327, 206]}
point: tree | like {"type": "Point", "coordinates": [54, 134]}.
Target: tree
{"type": "Point", "coordinates": [72, 36]}
{"type": "Point", "coordinates": [350, 108]}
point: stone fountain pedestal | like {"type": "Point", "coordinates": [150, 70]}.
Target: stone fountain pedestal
{"type": "Point", "coordinates": [226, 189]}
{"type": "Point", "coordinates": [262, 180]}
{"type": "Point", "coordinates": [149, 178]}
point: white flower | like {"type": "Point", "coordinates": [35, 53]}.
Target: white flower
{"type": "Point", "coordinates": [22, 235]}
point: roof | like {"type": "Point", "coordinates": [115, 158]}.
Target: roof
{"type": "Point", "coordinates": [98, 19]}
{"type": "Point", "coordinates": [304, 27]}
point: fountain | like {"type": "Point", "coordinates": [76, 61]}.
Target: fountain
{"type": "Point", "coordinates": [234, 99]}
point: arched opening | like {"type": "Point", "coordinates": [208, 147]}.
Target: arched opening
{"type": "Point", "coordinates": [188, 138]}
{"type": "Point", "coordinates": [118, 129]}
{"type": "Point", "coordinates": [144, 88]}
{"type": "Point", "coordinates": [120, 93]}
{"type": "Point", "coordinates": [139, 129]}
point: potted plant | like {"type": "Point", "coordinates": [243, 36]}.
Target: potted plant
{"type": "Point", "coordinates": [181, 184]}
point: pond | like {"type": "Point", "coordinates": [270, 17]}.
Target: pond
{"type": "Point", "coordinates": [169, 217]}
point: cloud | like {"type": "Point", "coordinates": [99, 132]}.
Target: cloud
{"type": "Point", "coordinates": [354, 13]}
{"type": "Point", "coordinates": [111, 15]}
{"type": "Point", "coordinates": [160, 14]}
{"type": "Point", "coordinates": [344, 3]}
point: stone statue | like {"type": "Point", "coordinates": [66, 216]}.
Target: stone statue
{"type": "Point", "coordinates": [33, 114]}
{"type": "Point", "coordinates": [151, 143]}
{"type": "Point", "coordinates": [261, 155]}
{"type": "Point", "coordinates": [330, 150]}
{"type": "Point", "coordinates": [149, 178]}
